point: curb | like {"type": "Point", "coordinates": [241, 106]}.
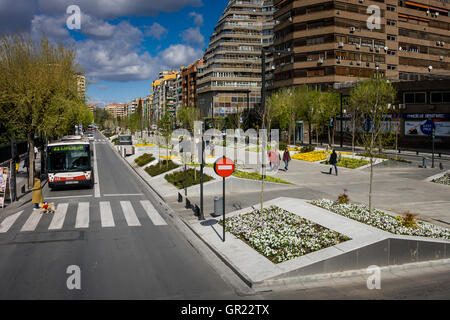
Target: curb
{"type": "Point", "coordinates": [436, 176]}
{"type": "Point", "coordinates": [324, 279]}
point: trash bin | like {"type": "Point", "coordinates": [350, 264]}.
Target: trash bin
{"type": "Point", "coordinates": [218, 206]}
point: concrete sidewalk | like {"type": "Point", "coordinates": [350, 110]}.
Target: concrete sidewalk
{"type": "Point", "coordinates": [22, 188]}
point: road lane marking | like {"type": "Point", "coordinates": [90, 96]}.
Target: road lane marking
{"type": "Point", "coordinates": [32, 221]}
{"type": "Point", "coordinates": [130, 214]}
{"type": "Point", "coordinates": [123, 195]}
{"type": "Point", "coordinates": [68, 197]}
{"type": "Point", "coordinates": [153, 213]}
{"type": "Point", "coordinates": [8, 222]}
{"type": "Point", "coordinates": [106, 214]}
{"type": "Point", "coordinates": [97, 175]}
{"type": "Point", "coordinates": [82, 215]}
{"type": "Point", "coordinates": [58, 217]}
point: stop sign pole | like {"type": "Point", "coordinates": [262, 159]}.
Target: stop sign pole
{"type": "Point", "coordinates": [224, 167]}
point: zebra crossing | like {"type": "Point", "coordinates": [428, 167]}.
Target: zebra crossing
{"type": "Point", "coordinates": [100, 140]}
{"type": "Point", "coordinates": [109, 215]}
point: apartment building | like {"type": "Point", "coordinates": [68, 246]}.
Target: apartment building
{"type": "Point", "coordinates": [117, 110]}
{"type": "Point", "coordinates": [92, 107]}
{"type": "Point", "coordinates": [231, 65]}
{"type": "Point", "coordinates": [165, 93]}
{"type": "Point", "coordinates": [341, 41]}
{"type": "Point", "coordinates": [189, 85]}
{"type": "Point", "coordinates": [81, 85]}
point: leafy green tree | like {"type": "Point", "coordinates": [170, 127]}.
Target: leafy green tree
{"type": "Point", "coordinates": [305, 99]}
{"type": "Point", "coordinates": [328, 105]}
{"type": "Point", "coordinates": [374, 97]}
{"type": "Point", "coordinates": [166, 128]}
{"type": "Point", "coordinates": [38, 85]}
{"type": "Point", "coordinates": [187, 116]}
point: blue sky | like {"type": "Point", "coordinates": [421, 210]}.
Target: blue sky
{"type": "Point", "coordinates": [121, 44]}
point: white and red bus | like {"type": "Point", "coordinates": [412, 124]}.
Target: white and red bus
{"type": "Point", "coordinates": [69, 163]}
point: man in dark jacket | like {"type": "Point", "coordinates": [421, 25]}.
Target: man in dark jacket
{"type": "Point", "coordinates": [286, 159]}
{"type": "Point", "coordinates": [333, 162]}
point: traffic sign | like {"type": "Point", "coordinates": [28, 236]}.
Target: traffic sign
{"type": "Point", "coordinates": [224, 167]}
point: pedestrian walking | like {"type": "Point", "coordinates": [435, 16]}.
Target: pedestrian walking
{"type": "Point", "coordinates": [272, 159]}
{"type": "Point", "coordinates": [286, 159]}
{"type": "Point", "coordinates": [333, 162]}
{"type": "Point", "coordinates": [26, 161]}
{"type": "Point", "coordinates": [35, 152]}
{"type": "Point", "coordinates": [37, 197]}
{"type": "Point", "coordinates": [17, 162]}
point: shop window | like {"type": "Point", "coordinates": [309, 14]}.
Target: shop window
{"type": "Point", "coordinates": [415, 97]}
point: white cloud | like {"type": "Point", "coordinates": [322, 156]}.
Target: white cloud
{"type": "Point", "coordinates": [198, 18]}
{"type": "Point", "coordinates": [53, 27]}
{"type": "Point", "coordinates": [180, 55]}
{"type": "Point", "coordinates": [193, 36]}
{"type": "Point", "coordinates": [156, 31]}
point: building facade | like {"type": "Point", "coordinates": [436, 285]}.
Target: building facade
{"type": "Point", "coordinates": [81, 85]}
{"type": "Point", "coordinates": [166, 92]}
{"type": "Point", "coordinates": [341, 41]}
{"type": "Point", "coordinates": [117, 110]}
{"type": "Point", "coordinates": [189, 85]}
{"type": "Point", "coordinates": [231, 65]}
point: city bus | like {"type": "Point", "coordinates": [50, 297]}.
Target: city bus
{"type": "Point", "coordinates": [69, 163]}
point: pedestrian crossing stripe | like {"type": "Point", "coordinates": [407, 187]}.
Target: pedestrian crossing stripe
{"type": "Point", "coordinates": [83, 216]}
{"type": "Point", "coordinates": [9, 221]}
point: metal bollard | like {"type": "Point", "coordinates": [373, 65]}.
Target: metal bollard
{"type": "Point", "coordinates": [188, 204]}
{"type": "Point", "coordinates": [441, 167]}
{"type": "Point", "coordinates": [424, 162]}
{"type": "Point", "coordinates": [196, 211]}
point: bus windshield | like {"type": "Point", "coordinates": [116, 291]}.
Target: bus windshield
{"type": "Point", "coordinates": [69, 158]}
{"type": "Point", "coordinates": [125, 140]}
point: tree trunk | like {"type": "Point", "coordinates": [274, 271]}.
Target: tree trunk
{"type": "Point", "coordinates": [31, 159]}
{"type": "Point", "coordinates": [13, 184]}
{"type": "Point", "coordinates": [310, 133]}
{"type": "Point", "coordinates": [329, 136]}
{"type": "Point", "coordinates": [353, 133]}
{"type": "Point", "coordinates": [371, 173]}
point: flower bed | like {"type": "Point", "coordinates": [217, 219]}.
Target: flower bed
{"type": "Point", "coordinates": [144, 159]}
{"type": "Point", "coordinates": [192, 177]}
{"type": "Point", "coordinates": [311, 156]}
{"type": "Point", "coordinates": [445, 179]}
{"type": "Point", "coordinates": [383, 221]}
{"type": "Point", "coordinates": [280, 235]}
{"type": "Point", "coordinates": [350, 163]}
{"type": "Point", "coordinates": [161, 167]}
{"type": "Point", "coordinates": [257, 176]}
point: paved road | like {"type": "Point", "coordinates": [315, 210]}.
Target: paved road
{"type": "Point", "coordinates": [125, 248]}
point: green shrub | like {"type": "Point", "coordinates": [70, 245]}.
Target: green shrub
{"type": "Point", "coordinates": [144, 159]}
{"type": "Point", "coordinates": [343, 198]}
{"type": "Point", "coordinates": [192, 177]}
{"type": "Point", "coordinates": [282, 146]}
{"type": "Point", "coordinates": [350, 163]}
{"type": "Point", "coordinates": [257, 176]}
{"type": "Point", "coordinates": [115, 141]}
{"type": "Point", "coordinates": [161, 167]}
{"type": "Point", "coordinates": [308, 148]}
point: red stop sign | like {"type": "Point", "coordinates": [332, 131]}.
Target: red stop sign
{"type": "Point", "coordinates": [224, 167]}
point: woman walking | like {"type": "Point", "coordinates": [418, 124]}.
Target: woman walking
{"type": "Point", "coordinates": [37, 197]}
{"type": "Point", "coordinates": [286, 159]}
